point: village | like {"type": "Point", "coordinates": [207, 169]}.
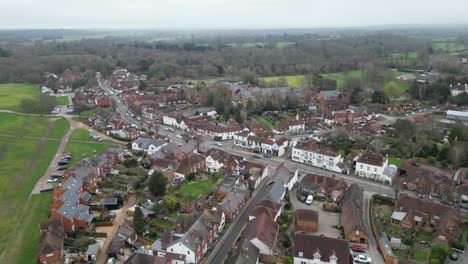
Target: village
{"type": "Point", "coordinates": [244, 174]}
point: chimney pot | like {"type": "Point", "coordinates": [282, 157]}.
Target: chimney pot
{"type": "Point", "coordinates": [245, 251]}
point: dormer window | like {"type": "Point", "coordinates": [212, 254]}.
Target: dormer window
{"type": "Point", "coordinates": [333, 259]}
{"type": "Point", "coordinates": [317, 256]}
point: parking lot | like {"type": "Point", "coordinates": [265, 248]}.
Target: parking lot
{"type": "Point", "coordinates": [326, 221]}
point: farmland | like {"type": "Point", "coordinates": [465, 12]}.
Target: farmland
{"type": "Point", "coordinates": [21, 167]}
{"type": "Point", "coordinates": [449, 46]}
{"type": "Point", "coordinates": [11, 94]}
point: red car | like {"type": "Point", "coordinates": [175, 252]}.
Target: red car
{"type": "Point", "coordinates": [358, 248]}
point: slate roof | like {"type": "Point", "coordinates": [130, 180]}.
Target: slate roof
{"type": "Point", "coordinates": [305, 246]}
{"type": "Point", "coordinates": [141, 258]}
{"type": "Point", "coordinates": [108, 201]}
{"type": "Point", "coordinates": [243, 252]}
{"type": "Point", "coordinates": [233, 200]}
{"type": "Point", "coordinates": [144, 143]}
{"type": "Point", "coordinates": [264, 228]}
{"type": "Point", "coordinates": [93, 249]}
{"type": "Point", "coordinates": [372, 159]}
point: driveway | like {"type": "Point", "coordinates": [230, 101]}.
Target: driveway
{"type": "Point", "coordinates": [326, 221]}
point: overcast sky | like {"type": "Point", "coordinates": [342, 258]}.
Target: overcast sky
{"type": "Point", "coordinates": [243, 14]}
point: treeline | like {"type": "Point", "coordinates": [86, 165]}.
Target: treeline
{"type": "Point", "coordinates": [43, 104]}
{"type": "Point", "coordinates": [200, 58]}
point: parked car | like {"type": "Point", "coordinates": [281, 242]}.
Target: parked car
{"type": "Point", "coordinates": [63, 162]}
{"type": "Point", "coordinates": [111, 260]}
{"type": "Point", "coordinates": [66, 158]}
{"type": "Point", "coordinates": [219, 144]}
{"type": "Point", "coordinates": [56, 175]}
{"type": "Point", "coordinates": [266, 155]}
{"type": "Point", "coordinates": [454, 255]}
{"type": "Point", "coordinates": [68, 154]}
{"type": "Point", "coordinates": [309, 199]}
{"type": "Point", "coordinates": [256, 157]}
{"type": "Point", "coordinates": [362, 259]}
{"type": "Point", "coordinates": [52, 180]}
{"type": "Point", "coordinates": [178, 136]}
{"type": "Point", "coordinates": [358, 248]}
{"type": "Point", "coordinates": [61, 168]}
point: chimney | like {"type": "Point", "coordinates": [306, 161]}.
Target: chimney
{"type": "Point", "coordinates": [178, 229]}
{"type": "Point", "coordinates": [234, 250]}
{"type": "Point", "coordinates": [194, 234]}
{"type": "Point", "coordinates": [206, 219]}
{"type": "Point", "coordinates": [245, 251]}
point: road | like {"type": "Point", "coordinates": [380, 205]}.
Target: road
{"type": "Point", "coordinates": [221, 250]}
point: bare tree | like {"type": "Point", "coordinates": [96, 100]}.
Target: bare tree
{"type": "Point", "coordinates": [377, 145]}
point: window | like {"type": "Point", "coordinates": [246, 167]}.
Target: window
{"type": "Point", "coordinates": [303, 262]}
{"type": "Point", "coordinates": [362, 166]}
{"type": "Point", "coordinates": [368, 168]}
{"type": "Point", "coordinates": [188, 252]}
{"type": "Point", "coordinates": [375, 169]}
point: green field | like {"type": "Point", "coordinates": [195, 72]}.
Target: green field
{"type": "Point", "coordinates": [190, 191]}
{"type": "Point", "coordinates": [62, 100]}
{"type": "Point", "coordinates": [449, 46]}
{"type": "Point", "coordinates": [11, 94]}
{"type": "Point", "coordinates": [420, 255]}
{"type": "Point", "coordinates": [293, 80]}
{"type": "Point", "coordinates": [395, 161]}
{"type": "Point", "coordinates": [340, 77]}
{"type": "Point", "coordinates": [81, 150]}
{"type": "Point", "coordinates": [20, 168]}
{"type": "Point", "coordinates": [249, 45]}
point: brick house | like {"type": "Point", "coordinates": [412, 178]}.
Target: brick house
{"type": "Point", "coordinates": [352, 213]}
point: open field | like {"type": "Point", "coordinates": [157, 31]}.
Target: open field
{"type": "Point", "coordinates": [340, 77]}
{"type": "Point", "coordinates": [276, 45]}
{"type": "Point", "coordinates": [190, 191]}
{"type": "Point", "coordinates": [11, 94]}
{"type": "Point", "coordinates": [449, 46]}
{"type": "Point", "coordinates": [81, 150]}
{"type": "Point", "coordinates": [20, 168]}
{"type": "Point", "coordinates": [293, 80]}
{"type": "Point", "coordinates": [403, 56]}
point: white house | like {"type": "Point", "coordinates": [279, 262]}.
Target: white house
{"type": "Point", "coordinates": [177, 121]}
{"type": "Point", "coordinates": [202, 234]}
{"type": "Point", "coordinates": [371, 166]}
{"type": "Point", "coordinates": [320, 250]}
{"type": "Point", "coordinates": [311, 154]}
{"type": "Point", "coordinates": [218, 132]}
{"type": "Point", "coordinates": [148, 145]}
{"type": "Point", "coordinates": [276, 147]}
{"type": "Point", "coordinates": [292, 127]}
{"type": "Point", "coordinates": [458, 89]}
{"type": "Point", "coordinates": [240, 139]}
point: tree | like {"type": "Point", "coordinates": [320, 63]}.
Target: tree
{"type": "Point", "coordinates": [142, 85]}
{"type": "Point", "coordinates": [81, 242]}
{"type": "Point", "coordinates": [170, 202]}
{"type": "Point", "coordinates": [138, 220]}
{"type": "Point", "coordinates": [157, 184]}
{"type": "Point", "coordinates": [377, 145]}
{"type": "Point", "coordinates": [379, 97]}
{"type": "Point", "coordinates": [439, 252]}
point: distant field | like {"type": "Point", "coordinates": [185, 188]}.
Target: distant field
{"type": "Point", "coordinates": [11, 94]}
{"type": "Point", "coordinates": [449, 46]}
{"type": "Point", "coordinates": [407, 55]}
{"type": "Point", "coordinates": [340, 77]}
{"type": "Point", "coordinates": [22, 162]}
{"type": "Point", "coordinates": [277, 45]}
{"type": "Point", "coordinates": [293, 80]}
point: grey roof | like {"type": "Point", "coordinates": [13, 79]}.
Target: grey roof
{"type": "Point", "coordinates": [93, 249]}
{"type": "Point", "coordinates": [158, 155]}
{"type": "Point", "coordinates": [398, 215]}
{"type": "Point", "coordinates": [85, 196]}
{"type": "Point", "coordinates": [144, 143]}
{"type": "Point", "coordinates": [246, 253]}
{"type": "Point", "coordinates": [278, 187]}
{"type": "Point", "coordinates": [169, 148]}
{"type": "Point", "coordinates": [187, 148]}
{"type": "Point", "coordinates": [108, 201]}
{"type": "Point", "coordinates": [70, 196]}
{"type": "Point", "coordinates": [330, 93]}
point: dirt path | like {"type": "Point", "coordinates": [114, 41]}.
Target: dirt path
{"type": "Point", "coordinates": [119, 220]}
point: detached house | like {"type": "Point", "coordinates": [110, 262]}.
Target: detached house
{"type": "Point", "coordinates": [372, 166]}
{"type": "Point", "coordinates": [411, 213]}
{"type": "Point", "coordinates": [320, 250]}
{"type": "Point", "coordinates": [310, 153]}
{"type": "Point", "coordinates": [148, 145]}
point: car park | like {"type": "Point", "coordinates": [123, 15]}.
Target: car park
{"type": "Point", "coordinates": [52, 180]}
{"type": "Point", "coordinates": [362, 259]}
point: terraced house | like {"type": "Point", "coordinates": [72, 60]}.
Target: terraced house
{"type": "Point", "coordinates": [310, 153]}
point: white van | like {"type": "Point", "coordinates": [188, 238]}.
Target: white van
{"type": "Point", "coordinates": [309, 199]}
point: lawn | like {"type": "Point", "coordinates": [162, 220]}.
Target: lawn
{"type": "Point", "coordinates": [193, 190]}
{"type": "Point", "coordinates": [62, 100]}
{"type": "Point", "coordinates": [419, 254]}
{"type": "Point", "coordinates": [395, 161]}
{"type": "Point", "coordinates": [11, 94]}
{"type": "Point", "coordinates": [266, 123]}
{"type": "Point", "coordinates": [20, 168]}
{"type": "Point", "coordinates": [164, 223]}
{"type": "Point", "coordinates": [82, 150]}
{"type": "Point", "coordinates": [81, 134]}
